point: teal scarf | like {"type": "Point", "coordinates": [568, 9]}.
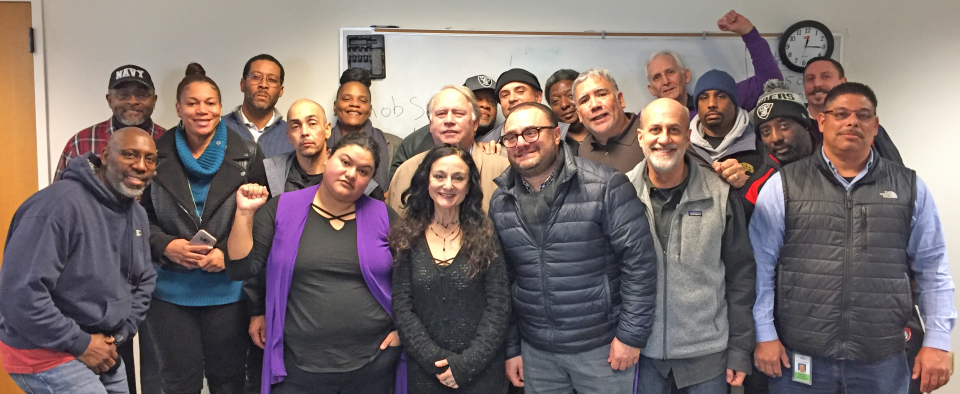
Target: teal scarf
{"type": "Point", "coordinates": [200, 171]}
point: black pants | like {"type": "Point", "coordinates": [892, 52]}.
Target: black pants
{"type": "Point", "coordinates": [254, 368]}
{"type": "Point", "coordinates": [377, 377]}
{"type": "Point", "coordinates": [193, 342]}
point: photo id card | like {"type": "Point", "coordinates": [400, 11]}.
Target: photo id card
{"type": "Point", "coordinates": [802, 369]}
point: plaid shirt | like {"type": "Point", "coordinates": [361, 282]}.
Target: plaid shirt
{"type": "Point", "coordinates": [94, 139]}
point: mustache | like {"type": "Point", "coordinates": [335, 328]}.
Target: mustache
{"type": "Point", "coordinates": [854, 132]}
{"type": "Point", "coordinates": [668, 146]}
{"type": "Point", "coordinates": [819, 90]}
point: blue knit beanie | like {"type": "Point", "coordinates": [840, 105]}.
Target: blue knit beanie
{"type": "Point", "coordinates": [717, 80]}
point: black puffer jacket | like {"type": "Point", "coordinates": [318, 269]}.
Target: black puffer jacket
{"type": "Point", "coordinates": [594, 275]}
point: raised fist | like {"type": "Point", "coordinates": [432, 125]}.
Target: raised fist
{"type": "Point", "coordinates": [734, 22]}
{"type": "Point", "coordinates": [251, 197]}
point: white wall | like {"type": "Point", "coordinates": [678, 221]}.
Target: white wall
{"type": "Point", "coordinates": [907, 51]}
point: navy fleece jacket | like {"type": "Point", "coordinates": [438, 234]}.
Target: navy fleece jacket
{"type": "Point", "coordinates": [76, 262]}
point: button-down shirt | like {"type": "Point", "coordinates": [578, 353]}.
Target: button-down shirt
{"type": "Point", "coordinates": [257, 132]}
{"type": "Point", "coordinates": [926, 254]}
{"type": "Point", "coordinates": [94, 139]}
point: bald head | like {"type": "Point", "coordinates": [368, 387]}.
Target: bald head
{"type": "Point", "coordinates": [664, 135]}
{"type": "Point", "coordinates": [307, 105]}
{"type": "Point", "coordinates": [128, 162]}
{"type": "Point", "coordinates": [308, 128]}
{"type": "Point", "coordinates": [118, 137]}
{"type": "Point", "coordinates": [665, 107]}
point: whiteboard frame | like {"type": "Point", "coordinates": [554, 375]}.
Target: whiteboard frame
{"type": "Point", "coordinates": [838, 51]}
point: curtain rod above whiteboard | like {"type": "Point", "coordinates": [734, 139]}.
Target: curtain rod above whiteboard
{"type": "Point", "coordinates": [601, 34]}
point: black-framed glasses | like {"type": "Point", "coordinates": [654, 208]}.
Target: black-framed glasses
{"type": "Point", "coordinates": [272, 81]}
{"type": "Point", "coordinates": [530, 134]}
{"type": "Point", "coordinates": [133, 157]}
{"type": "Point", "coordinates": [863, 115]}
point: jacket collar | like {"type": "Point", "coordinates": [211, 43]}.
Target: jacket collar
{"type": "Point", "coordinates": [508, 180]}
{"type": "Point", "coordinates": [874, 167]}
{"type": "Point", "coordinates": [171, 175]}
{"type": "Point", "coordinates": [695, 190]}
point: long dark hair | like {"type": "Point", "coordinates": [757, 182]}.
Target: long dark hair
{"type": "Point", "coordinates": [477, 240]}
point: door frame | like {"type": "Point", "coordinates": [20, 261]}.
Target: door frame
{"type": "Point", "coordinates": [39, 91]}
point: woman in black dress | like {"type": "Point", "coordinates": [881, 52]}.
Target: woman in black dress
{"type": "Point", "coordinates": [451, 300]}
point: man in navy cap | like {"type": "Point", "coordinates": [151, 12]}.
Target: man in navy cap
{"type": "Point", "coordinates": [131, 97]}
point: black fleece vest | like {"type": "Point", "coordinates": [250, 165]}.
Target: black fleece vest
{"type": "Point", "coordinates": [843, 286]}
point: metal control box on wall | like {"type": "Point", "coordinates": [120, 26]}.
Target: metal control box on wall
{"type": "Point", "coordinates": [367, 52]}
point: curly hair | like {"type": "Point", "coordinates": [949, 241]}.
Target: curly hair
{"type": "Point", "coordinates": [478, 242]}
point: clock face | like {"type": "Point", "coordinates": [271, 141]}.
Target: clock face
{"type": "Point", "coordinates": [804, 41]}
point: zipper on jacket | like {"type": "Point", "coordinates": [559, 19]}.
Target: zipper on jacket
{"type": "Point", "coordinates": [863, 226]}
{"type": "Point", "coordinates": [847, 261]}
{"type": "Point", "coordinates": [543, 276]}
{"type": "Point", "coordinates": [195, 204]}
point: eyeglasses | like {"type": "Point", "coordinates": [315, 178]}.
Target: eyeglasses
{"type": "Point", "coordinates": [530, 134]}
{"type": "Point", "coordinates": [863, 115]}
{"type": "Point", "coordinates": [132, 157]}
{"type": "Point", "coordinates": [125, 94]}
{"type": "Point", "coordinates": [272, 81]}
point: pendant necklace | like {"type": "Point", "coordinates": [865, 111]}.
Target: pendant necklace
{"type": "Point", "coordinates": [454, 234]}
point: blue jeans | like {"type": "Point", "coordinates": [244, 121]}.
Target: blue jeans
{"type": "Point", "coordinates": [652, 382]}
{"type": "Point", "coordinates": [890, 375]}
{"type": "Point", "coordinates": [73, 377]}
{"type": "Point", "coordinates": [561, 373]}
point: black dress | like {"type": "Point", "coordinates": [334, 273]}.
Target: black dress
{"type": "Point", "coordinates": [444, 313]}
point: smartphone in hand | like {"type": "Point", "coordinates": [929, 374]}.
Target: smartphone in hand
{"type": "Point", "coordinates": [202, 237]}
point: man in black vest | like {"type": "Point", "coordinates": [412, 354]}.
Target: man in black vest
{"type": "Point", "coordinates": [844, 230]}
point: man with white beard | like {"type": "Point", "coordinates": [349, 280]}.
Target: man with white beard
{"type": "Point", "coordinates": [701, 254]}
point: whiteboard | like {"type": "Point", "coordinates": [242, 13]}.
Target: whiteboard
{"type": "Point", "coordinates": [419, 64]}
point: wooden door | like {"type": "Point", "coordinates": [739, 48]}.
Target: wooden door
{"type": "Point", "coordinates": [18, 128]}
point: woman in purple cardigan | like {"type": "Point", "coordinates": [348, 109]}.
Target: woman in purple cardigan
{"type": "Point", "coordinates": [328, 266]}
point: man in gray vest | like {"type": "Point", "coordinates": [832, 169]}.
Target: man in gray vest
{"type": "Point", "coordinates": [843, 231]}
{"type": "Point", "coordinates": [706, 272]}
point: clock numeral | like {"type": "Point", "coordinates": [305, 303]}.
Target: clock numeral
{"type": "Point", "coordinates": [793, 38]}
{"type": "Point", "coordinates": [789, 54]}
{"type": "Point", "coordinates": [804, 63]}
{"type": "Point", "coordinates": [807, 30]}
{"type": "Point", "coordinates": [823, 38]}
{"type": "Point", "coordinates": [824, 46]}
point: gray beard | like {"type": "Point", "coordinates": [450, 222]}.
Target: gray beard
{"type": "Point", "coordinates": [131, 123]}
{"type": "Point", "coordinates": [117, 183]}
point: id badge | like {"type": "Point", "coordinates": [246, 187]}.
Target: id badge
{"type": "Point", "coordinates": [802, 369]}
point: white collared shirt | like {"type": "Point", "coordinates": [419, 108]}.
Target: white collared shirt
{"type": "Point", "coordinates": [253, 128]}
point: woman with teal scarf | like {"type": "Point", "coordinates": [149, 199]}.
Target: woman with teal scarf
{"type": "Point", "coordinates": [197, 317]}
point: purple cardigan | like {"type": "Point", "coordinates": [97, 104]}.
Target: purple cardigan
{"type": "Point", "coordinates": [376, 263]}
